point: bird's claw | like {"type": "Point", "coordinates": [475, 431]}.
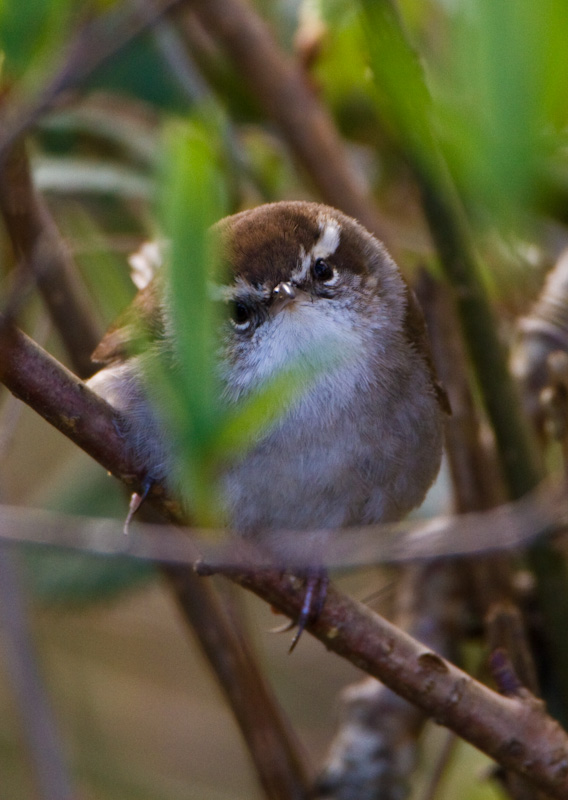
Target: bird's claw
{"type": "Point", "coordinates": [314, 601]}
{"type": "Point", "coordinates": [136, 501]}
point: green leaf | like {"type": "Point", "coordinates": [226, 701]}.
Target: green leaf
{"type": "Point", "coordinates": [500, 110]}
{"type": "Point", "coordinates": [192, 200]}
{"type": "Point", "coordinates": [401, 92]}
{"type": "Point", "coordinates": [192, 197]}
{"type": "Point", "coordinates": [258, 412]}
{"type": "Point", "coordinates": [33, 34]}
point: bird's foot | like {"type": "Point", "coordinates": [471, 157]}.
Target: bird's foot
{"type": "Point", "coordinates": [317, 581]}
{"type": "Point", "coordinates": [136, 501]}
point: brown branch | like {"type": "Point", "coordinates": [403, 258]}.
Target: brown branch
{"type": "Point", "coordinates": [515, 731]}
{"type": "Point", "coordinates": [279, 86]}
{"type": "Point", "coordinates": [42, 252]}
{"type": "Point", "coordinates": [33, 376]}
{"type": "Point", "coordinates": [268, 735]}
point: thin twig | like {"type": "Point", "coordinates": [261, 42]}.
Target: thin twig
{"type": "Point", "coordinates": [43, 254]}
{"type": "Point", "coordinates": [20, 660]}
{"type": "Point", "coordinates": [544, 512]}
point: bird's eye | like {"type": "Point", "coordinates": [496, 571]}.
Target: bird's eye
{"type": "Point", "coordinates": [241, 315]}
{"type": "Point", "coordinates": [323, 271]}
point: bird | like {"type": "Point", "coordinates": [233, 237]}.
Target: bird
{"type": "Point", "coordinates": [362, 442]}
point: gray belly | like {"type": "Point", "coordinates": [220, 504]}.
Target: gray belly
{"type": "Point", "coordinates": [336, 475]}
{"type": "Point", "coordinates": [344, 467]}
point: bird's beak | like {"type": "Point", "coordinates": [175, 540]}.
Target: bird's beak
{"type": "Point", "coordinates": [282, 295]}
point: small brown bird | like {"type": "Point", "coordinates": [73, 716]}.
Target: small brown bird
{"type": "Point", "coordinates": [362, 444]}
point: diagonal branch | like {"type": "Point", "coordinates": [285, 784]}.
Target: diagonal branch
{"type": "Point", "coordinates": [514, 730]}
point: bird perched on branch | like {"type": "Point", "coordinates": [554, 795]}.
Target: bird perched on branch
{"type": "Point", "coordinates": [362, 442]}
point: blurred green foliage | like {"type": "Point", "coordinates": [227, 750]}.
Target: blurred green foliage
{"type": "Point", "coordinates": [32, 36]}
{"type": "Point", "coordinates": [501, 91]}
{"type": "Point", "coordinates": [496, 75]}
{"type": "Point", "coordinates": [139, 70]}
{"type": "Point", "coordinates": [133, 155]}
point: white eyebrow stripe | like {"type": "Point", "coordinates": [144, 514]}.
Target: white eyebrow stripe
{"type": "Point", "coordinates": [327, 244]}
{"type": "Point", "coordinates": [329, 239]}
